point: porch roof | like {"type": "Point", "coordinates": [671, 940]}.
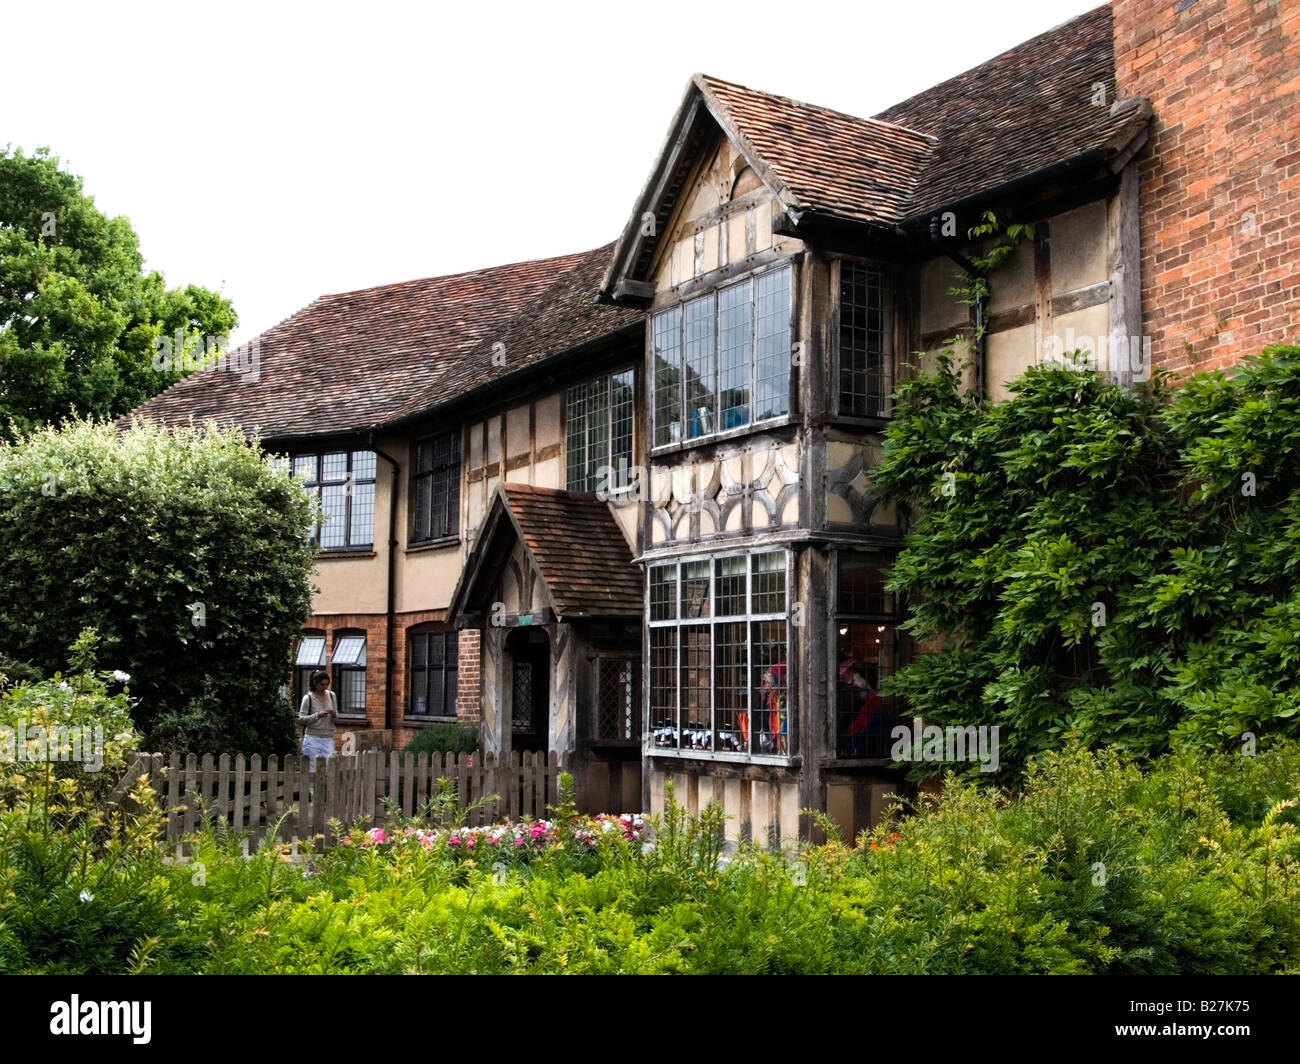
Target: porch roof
{"type": "Point", "coordinates": [574, 543]}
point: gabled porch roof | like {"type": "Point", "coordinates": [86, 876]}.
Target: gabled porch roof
{"type": "Point", "coordinates": [572, 541]}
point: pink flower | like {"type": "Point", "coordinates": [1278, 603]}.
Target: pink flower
{"type": "Point", "coordinates": [519, 842]}
{"type": "Point", "coordinates": [469, 761]}
{"type": "Point", "coordinates": [453, 841]}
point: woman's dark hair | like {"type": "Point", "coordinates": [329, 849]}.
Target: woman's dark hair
{"type": "Point", "coordinates": [316, 677]}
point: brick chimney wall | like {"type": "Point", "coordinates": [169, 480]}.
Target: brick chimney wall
{"type": "Point", "coordinates": [1220, 177]}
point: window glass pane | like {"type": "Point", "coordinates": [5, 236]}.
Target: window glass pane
{"type": "Point", "coordinates": [666, 352]}
{"type": "Point", "coordinates": [349, 650]}
{"type": "Point", "coordinates": [769, 583]}
{"type": "Point", "coordinates": [735, 353]}
{"type": "Point", "coordinates": [334, 467]}
{"type": "Point", "coordinates": [864, 718]}
{"type": "Point", "coordinates": [663, 592]}
{"type": "Point", "coordinates": [352, 693]}
{"type": "Point", "coordinates": [333, 532]}
{"type": "Point", "coordinates": [311, 651]}
{"type": "Point", "coordinates": [663, 685]}
{"type": "Point", "coordinates": [731, 686]}
{"type": "Point", "coordinates": [695, 589]}
{"type": "Point", "coordinates": [304, 466]}
{"type": "Point", "coordinates": [771, 719]}
{"type": "Point", "coordinates": [363, 465]}
{"type": "Point", "coordinates": [363, 515]}
{"type": "Point", "coordinates": [729, 586]}
{"type": "Point", "coordinates": [772, 345]}
{"type": "Point", "coordinates": [699, 367]}
{"type": "Point", "coordinates": [419, 650]}
{"type": "Point", "coordinates": [861, 584]}
{"type": "Point", "coordinates": [620, 447]}
{"type": "Point", "coordinates": [696, 680]}
{"type": "Point", "coordinates": [423, 490]}
{"type": "Point", "coordinates": [864, 371]}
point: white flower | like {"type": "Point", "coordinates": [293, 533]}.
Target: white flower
{"type": "Point", "coordinates": [64, 685]}
{"type": "Point", "coordinates": [85, 895]}
{"type": "Point", "coordinates": [120, 676]}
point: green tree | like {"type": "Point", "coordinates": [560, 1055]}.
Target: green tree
{"type": "Point", "coordinates": [189, 554]}
{"type": "Point", "coordinates": [78, 315]}
{"type": "Point", "coordinates": [1118, 564]}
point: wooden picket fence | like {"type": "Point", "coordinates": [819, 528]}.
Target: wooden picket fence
{"type": "Point", "coordinates": [252, 795]}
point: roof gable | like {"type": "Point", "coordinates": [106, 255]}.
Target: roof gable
{"type": "Point", "coordinates": [573, 543]}
{"type": "Point", "coordinates": [1027, 110]}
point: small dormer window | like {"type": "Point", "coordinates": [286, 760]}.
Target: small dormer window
{"type": "Point", "coordinates": [722, 360]}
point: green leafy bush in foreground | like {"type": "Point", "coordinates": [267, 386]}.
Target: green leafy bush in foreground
{"type": "Point", "coordinates": [1190, 864]}
{"type": "Point", "coordinates": [1118, 564]}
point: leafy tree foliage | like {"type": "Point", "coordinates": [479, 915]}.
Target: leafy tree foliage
{"type": "Point", "coordinates": [78, 316]}
{"type": "Point", "coordinates": [186, 551]}
{"type": "Point", "coordinates": [1117, 564]}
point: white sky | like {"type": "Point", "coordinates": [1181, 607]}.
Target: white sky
{"type": "Point", "coordinates": [279, 151]}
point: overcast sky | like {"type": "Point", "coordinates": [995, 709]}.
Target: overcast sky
{"type": "Point", "coordinates": [279, 151]}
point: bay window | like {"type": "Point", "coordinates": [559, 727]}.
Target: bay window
{"type": "Point", "coordinates": [719, 643]}
{"type": "Point", "coordinates": [722, 360]}
{"type": "Point", "coordinates": [866, 640]}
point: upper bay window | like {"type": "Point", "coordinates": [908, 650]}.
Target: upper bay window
{"type": "Point", "coordinates": [344, 481]}
{"type": "Point", "coordinates": [864, 335]}
{"type": "Point", "coordinates": [722, 360]}
{"type": "Point", "coordinates": [598, 434]}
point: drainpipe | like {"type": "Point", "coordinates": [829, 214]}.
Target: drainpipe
{"type": "Point", "coordinates": [392, 563]}
{"type": "Point", "coordinates": [974, 271]}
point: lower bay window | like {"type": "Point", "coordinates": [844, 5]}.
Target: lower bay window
{"type": "Point", "coordinates": [434, 673]}
{"type": "Point", "coordinates": [866, 640]}
{"type": "Point", "coordinates": [719, 644]}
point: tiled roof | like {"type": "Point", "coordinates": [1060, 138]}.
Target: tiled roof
{"type": "Point", "coordinates": [357, 360]}
{"type": "Point", "coordinates": [1021, 112]}
{"type": "Point", "coordinates": [1026, 109]}
{"type": "Point", "coordinates": [855, 167]}
{"type": "Point", "coordinates": [579, 549]}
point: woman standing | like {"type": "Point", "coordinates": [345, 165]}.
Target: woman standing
{"type": "Point", "coordinates": [318, 712]}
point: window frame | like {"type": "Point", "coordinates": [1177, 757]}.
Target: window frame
{"type": "Point", "coordinates": [452, 535]}
{"type": "Point", "coordinates": [624, 486]}
{"type": "Point", "coordinates": [450, 664]}
{"type": "Point", "coordinates": [316, 484]}
{"type": "Point", "coordinates": [891, 619]}
{"type": "Point", "coordinates": [889, 278]}
{"type": "Point", "coordinates": [753, 277]}
{"type": "Point", "coordinates": [340, 669]}
{"type": "Point", "coordinates": [302, 673]}
{"type": "Point", "coordinates": [750, 619]}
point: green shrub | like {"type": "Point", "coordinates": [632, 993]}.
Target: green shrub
{"type": "Point", "coordinates": [1093, 560]}
{"type": "Point", "coordinates": [444, 739]}
{"type": "Point", "coordinates": [186, 551]}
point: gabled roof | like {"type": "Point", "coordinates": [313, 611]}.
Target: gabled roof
{"type": "Point", "coordinates": [1020, 113]}
{"type": "Point", "coordinates": [572, 540]}
{"type": "Point", "coordinates": [359, 360]}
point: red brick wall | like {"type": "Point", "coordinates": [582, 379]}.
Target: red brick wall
{"type": "Point", "coordinates": [373, 624]}
{"type": "Point", "coordinates": [1220, 177]}
{"type": "Point", "coordinates": [469, 706]}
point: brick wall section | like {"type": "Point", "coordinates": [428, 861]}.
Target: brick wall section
{"type": "Point", "coordinates": [373, 624]}
{"type": "Point", "coordinates": [469, 705]}
{"type": "Point", "coordinates": [1220, 177]}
